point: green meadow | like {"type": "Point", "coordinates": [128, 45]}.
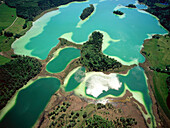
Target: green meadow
{"type": "Point", "coordinates": [158, 54]}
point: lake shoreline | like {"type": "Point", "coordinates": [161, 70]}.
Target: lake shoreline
{"type": "Point", "coordinates": [61, 96]}
{"type": "Point", "coordinates": [160, 117]}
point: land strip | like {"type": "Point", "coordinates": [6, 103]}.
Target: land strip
{"type": "Point", "coordinates": [156, 52]}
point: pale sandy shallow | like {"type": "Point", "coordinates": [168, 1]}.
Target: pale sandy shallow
{"type": "Point", "coordinates": [36, 29]}
{"type": "Point", "coordinates": [97, 82]}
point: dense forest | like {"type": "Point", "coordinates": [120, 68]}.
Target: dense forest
{"type": "Point", "coordinates": [117, 12]}
{"type": "Point", "coordinates": [131, 6]}
{"type": "Point", "coordinates": [15, 74]}
{"type": "Point", "coordinates": [98, 122]}
{"type": "Point", "coordinates": [28, 9]}
{"type": "Point", "coordinates": [87, 12]}
{"type": "Point", "coordinates": [93, 58]}
{"type": "Point", "coordinates": [161, 9]}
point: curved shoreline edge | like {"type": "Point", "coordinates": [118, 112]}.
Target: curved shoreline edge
{"type": "Point", "coordinates": [149, 87]}
{"type": "Point", "coordinates": [160, 116]}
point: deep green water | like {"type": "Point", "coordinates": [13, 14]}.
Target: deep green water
{"type": "Point", "coordinates": [30, 102]}
{"type": "Point", "coordinates": [43, 36]}
{"type": "Point", "coordinates": [75, 79]}
{"type": "Point", "coordinates": [60, 62]}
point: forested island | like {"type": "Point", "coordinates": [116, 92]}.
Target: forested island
{"type": "Point", "coordinates": [131, 6]}
{"type": "Point", "coordinates": [15, 74]}
{"type": "Point", "coordinates": [29, 9]}
{"type": "Point", "coordinates": [117, 12]}
{"type": "Point", "coordinates": [87, 12]}
{"type": "Point", "coordinates": [161, 9]}
{"type": "Point", "coordinates": [92, 57]}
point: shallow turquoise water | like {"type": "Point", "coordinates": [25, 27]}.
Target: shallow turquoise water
{"type": "Point", "coordinates": [75, 79]}
{"type": "Point", "coordinates": [30, 102]}
{"type": "Point", "coordinates": [131, 30]}
{"type": "Point", "coordinates": [60, 62]}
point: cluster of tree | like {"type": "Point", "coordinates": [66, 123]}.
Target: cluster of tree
{"type": "Point", "coordinates": [92, 57]}
{"type": "Point", "coordinates": [168, 83]}
{"type": "Point", "coordinates": [131, 6]}
{"type": "Point", "coordinates": [0, 32]}
{"type": "Point", "coordinates": [160, 12]}
{"type": "Point", "coordinates": [166, 70]}
{"type": "Point", "coordinates": [124, 122]}
{"type": "Point", "coordinates": [15, 74]}
{"type": "Point", "coordinates": [168, 86]}
{"type": "Point", "coordinates": [8, 34]}
{"type": "Point", "coordinates": [117, 12]}
{"type": "Point", "coordinates": [98, 122]}
{"type": "Point", "coordinates": [87, 12]}
{"type": "Point", "coordinates": [28, 9]}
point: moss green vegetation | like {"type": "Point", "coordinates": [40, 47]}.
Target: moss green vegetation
{"type": "Point", "coordinates": [10, 30]}
{"type": "Point", "coordinates": [164, 10]}
{"type": "Point", "coordinates": [131, 6]}
{"type": "Point", "coordinates": [18, 27]}
{"type": "Point", "coordinates": [3, 60]}
{"type": "Point", "coordinates": [29, 9]}
{"type": "Point", "coordinates": [15, 74]}
{"type": "Point", "coordinates": [87, 117]}
{"type": "Point", "coordinates": [87, 12]}
{"type": "Point", "coordinates": [92, 57]}
{"type": "Point", "coordinates": [117, 12]}
{"type": "Point", "coordinates": [7, 16]}
{"type": "Point", "coordinates": [5, 43]}
{"type": "Point", "coordinates": [157, 53]}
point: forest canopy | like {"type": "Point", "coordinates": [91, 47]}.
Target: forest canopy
{"type": "Point", "coordinates": [87, 12]}
{"type": "Point", "coordinates": [92, 57]}
{"type": "Point", "coordinates": [29, 9]}
{"type": "Point", "coordinates": [15, 74]}
{"type": "Point", "coordinates": [162, 11]}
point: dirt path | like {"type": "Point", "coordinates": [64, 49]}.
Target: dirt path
{"type": "Point", "coordinates": [11, 24]}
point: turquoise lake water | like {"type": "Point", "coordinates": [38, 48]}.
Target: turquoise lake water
{"type": "Point", "coordinates": [130, 31]}
{"type": "Point", "coordinates": [75, 79]}
{"type": "Point", "coordinates": [60, 62]}
{"type": "Point", "coordinates": [30, 102]}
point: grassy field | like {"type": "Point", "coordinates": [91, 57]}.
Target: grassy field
{"type": "Point", "coordinates": [17, 28]}
{"type": "Point", "coordinates": [7, 16]}
{"type": "Point", "coordinates": [5, 43]}
{"type": "Point", "coordinates": [157, 53]}
{"type": "Point", "coordinates": [3, 60]}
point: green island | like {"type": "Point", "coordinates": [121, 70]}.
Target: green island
{"type": "Point", "coordinates": [87, 12]}
{"type": "Point", "coordinates": [162, 14]}
{"type": "Point", "coordinates": [157, 54]}
{"type": "Point", "coordinates": [131, 6]}
{"type": "Point", "coordinates": [117, 12]}
{"type": "Point", "coordinates": [15, 74]}
{"type": "Point", "coordinates": [92, 57]}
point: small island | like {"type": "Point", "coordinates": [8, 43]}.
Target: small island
{"type": "Point", "coordinates": [92, 57]}
{"type": "Point", "coordinates": [117, 12]}
{"type": "Point", "coordinates": [131, 6]}
{"type": "Point", "coordinates": [87, 12]}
